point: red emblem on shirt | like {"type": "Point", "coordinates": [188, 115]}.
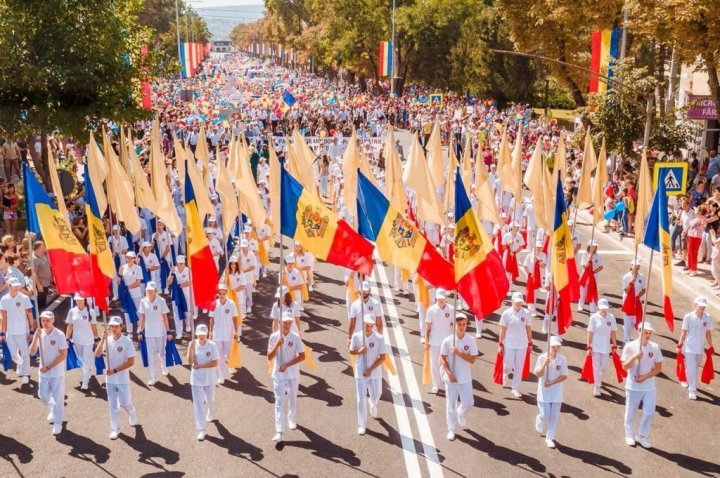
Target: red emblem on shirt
{"type": "Point", "coordinates": [290, 344]}
{"type": "Point", "coordinates": [52, 342]}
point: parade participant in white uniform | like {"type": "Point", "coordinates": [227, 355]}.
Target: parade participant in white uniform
{"type": "Point", "coordinates": [131, 274]}
{"type": "Point", "coordinates": [305, 262]}
{"type": "Point", "coordinates": [225, 327]}
{"type": "Point", "coordinates": [530, 224]}
{"type": "Point", "coordinates": [635, 280]}
{"type": "Point", "coordinates": [370, 305]}
{"type": "Point", "coordinates": [353, 284]}
{"type": "Point", "coordinates": [370, 354]}
{"type": "Point", "coordinates": [551, 370]}
{"type": "Point", "coordinates": [534, 263]}
{"type": "Point", "coordinates": [421, 307]}
{"type": "Point", "coordinates": [248, 263]}
{"type": "Point", "coordinates": [152, 264]}
{"type": "Point", "coordinates": [432, 232]}
{"type": "Point", "coordinates": [203, 357]}
{"type": "Point", "coordinates": [154, 328]}
{"type": "Point", "coordinates": [642, 363]}
{"type": "Point", "coordinates": [287, 350]}
{"type": "Point", "coordinates": [294, 280]}
{"type": "Point", "coordinates": [163, 240]}
{"type": "Point", "coordinates": [82, 334]}
{"type": "Point", "coordinates": [696, 330]}
{"type": "Point", "coordinates": [237, 281]}
{"type": "Point", "coordinates": [119, 247]}
{"type": "Point", "coordinates": [181, 273]}
{"type": "Point", "coordinates": [438, 326]}
{"type": "Point", "coordinates": [576, 236]}
{"type": "Point", "coordinates": [120, 358]}
{"type": "Point", "coordinates": [213, 224]}
{"type": "Point", "coordinates": [601, 341]}
{"type": "Point", "coordinates": [591, 260]}
{"type": "Point", "coordinates": [287, 304]}
{"type": "Point", "coordinates": [515, 338]}
{"type": "Point", "coordinates": [513, 243]}
{"type": "Point", "coordinates": [17, 327]}
{"type": "Point", "coordinates": [264, 238]}
{"type": "Point", "coordinates": [51, 382]}
{"type": "Point", "coordinates": [216, 247]}
{"type": "Point", "coordinates": [456, 359]}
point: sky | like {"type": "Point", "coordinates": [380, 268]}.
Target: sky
{"type": "Point", "coordinates": [223, 3]}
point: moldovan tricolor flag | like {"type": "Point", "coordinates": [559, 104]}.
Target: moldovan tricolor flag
{"type": "Point", "coordinates": [202, 265]}
{"type": "Point", "coordinates": [385, 61]}
{"type": "Point", "coordinates": [397, 239]}
{"type": "Point", "coordinates": [480, 276]}
{"type": "Point", "coordinates": [101, 260]}
{"type": "Point", "coordinates": [562, 262]}
{"type": "Point", "coordinates": [309, 222]}
{"type": "Point", "coordinates": [657, 237]}
{"type": "Point", "coordinates": [69, 263]}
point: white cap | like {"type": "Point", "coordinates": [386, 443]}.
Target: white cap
{"type": "Point", "coordinates": [636, 262]}
{"type": "Point", "coordinates": [365, 286]}
{"type": "Point", "coordinates": [78, 296]}
{"type": "Point", "coordinates": [603, 304]}
{"type": "Point", "coordinates": [201, 329]}
{"type": "Point", "coordinates": [571, 222]}
{"type": "Point", "coordinates": [47, 314]}
{"type": "Point", "coordinates": [212, 218]}
{"type": "Point", "coordinates": [646, 326]}
{"type": "Point", "coordinates": [130, 254]}
{"type": "Point", "coordinates": [14, 281]}
{"type": "Point", "coordinates": [592, 243]}
{"type": "Point", "coordinates": [244, 243]}
{"type": "Point", "coordinates": [146, 244]}
{"type": "Point", "coordinates": [460, 316]}
{"type": "Point", "coordinates": [222, 286]}
{"type": "Point", "coordinates": [247, 229]}
{"type": "Point", "coordinates": [287, 317]}
{"type": "Point", "coordinates": [233, 258]}
{"type": "Point", "coordinates": [516, 224]}
{"type": "Point", "coordinates": [214, 196]}
{"type": "Point", "coordinates": [555, 341]}
{"type": "Point", "coordinates": [151, 286]}
{"type": "Point", "coordinates": [281, 291]}
{"type": "Point", "coordinates": [440, 294]}
{"type": "Point", "coordinates": [115, 320]}
{"type": "Point", "coordinates": [290, 258]}
{"type": "Point", "coordinates": [209, 230]}
{"type": "Point", "coordinates": [180, 259]}
{"type": "Point", "coordinates": [368, 319]}
{"type": "Point", "coordinates": [701, 301]}
{"type": "Point", "coordinates": [518, 297]}
{"type": "Point", "coordinates": [115, 227]}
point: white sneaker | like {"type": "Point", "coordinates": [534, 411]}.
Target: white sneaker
{"type": "Point", "coordinates": [209, 418]}
{"type": "Point", "coordinates": [277, 438]}
{"type": "Point", "coordinates": [201, 436]}
{"type": "Point", "coordinates": [451, 436]}
{"type": "Point", "coordinates": [684, 384]}
{"type": "Point", "coordinates": [461, 419]}
{"type": "Point", "coordinates": [629, 441]}
{"type": "Point", "coordinates": [114, 434]}
{"type": "Point", "coordinates": [221, 380]}
{"type": "Point", "coordinates": [292, 425]}
{"type": "Point", "coordinates": [693, 396]}
{"type": "Point", "coordinates": [643, 442]}
{"type": "Point", "coordinates": [478, 335]}
{"type": "Point", "coordinates": [596, 391]}
{"type": "Point", "coordinates": [310, 288]}
{"type": "Point", "coordinates": [361, 431]}
{"type": "Point", "coordinates": [152, 381]}
{"type": "Point", "coordinates": [57, 428]}
{"type": "Point", "coordinates": [422, 340]}
{"type": "Point", "coordinates": [188, 329]}
{"type": "Point", "coordinates": [434, 390]}
{"type": "Point", "coordinates": [165, 372]}
{"type": "Point", "coordinates": [516, 394]}
{"type": "Point", "coordinates": [580, 308]}
{"type": "Point", "coordinates": [25, 380]}
{"type": "Point", "coordinates": [51, 417]}
{"type": "Point", "coordinates": [373, 411]}
{"type": "Point", "coordinates": [550, 443]}
{"type": "Point", "coordinates": [538, 425]}
{"type": "Point", "coordinates": [84, 386]}
{"type": "Point", "coordinates": [133, 420]}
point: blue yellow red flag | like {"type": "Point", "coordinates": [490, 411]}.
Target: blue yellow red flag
{"type": "Point", "coordinates": [562, 262]}
{"type": "Point", "coordinates": [102, 264]}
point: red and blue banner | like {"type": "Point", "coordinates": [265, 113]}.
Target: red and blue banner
{"type": "Point", "coordinates": [605, 51]}
{"type": "Point", "coordinates": [386, 58]}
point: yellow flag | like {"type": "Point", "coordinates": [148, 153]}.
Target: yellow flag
{"type": "Point", "coordinates": [435, 162]}
{"type": "Point", "coordinates": [274, 187]}
{"type": "Point", "coordinates": [560, 164]}
{"type": "Point", "coordinates": [248, 197]}
{"type": "Point", "coordinates": [516, 185]}
{"type": "Point", "coordinates": [466, 169]}
{"type": "Point", "coordinates": [504, 169]}
{"type": "Point", "coordinates": [350, 165]}
{"type": "Point", "coordinates": [644, 198]}
{"type": "Point", "coordinates": [533, 179]}
{"type": "Point", "coordinates": [228, 196]}
{"type": "Point", "coordinates": [144, 196]}
{"type": "Point", "coordinates": [449, 202]}
{"type": "Point", "coordinates": [598, 191]}
{"type": "Point", "coordinates": [203, 154]}
{"type": "Point", "coordinates": [97, 169]}
{"type": "Point", "coordinates": [417, 176]}
{"type": "Point", "coordinates": [487, 206]}
{"type": "Point", "coordinates": [202, 200]}
{"type": "Point", "coordinates": [120, 191]}
{"type": "Point", "coordinates": [300, 164]}
{"type": "Point", "coordinates": [57, 190]}
{"type": "Point", "coordinates": [164, 207]}
{"type": "Point", "coordinates": [394, 188]}
{"type": "Point", "coordinates": [584, 195]}
{"type": "Point", "coordinates": [124, 160]}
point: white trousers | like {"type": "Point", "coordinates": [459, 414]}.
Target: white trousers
{"type": "Point", "coordinates": [421, 316]}
{"type": "Point", "coordinates": [298, 297]}
{"type": "Point", "coordinates": [223, 347]}
{"type": "Point", "coordinates": [455, 392]}
{"type": "Point", "coordinates": [87, 358]}
{"type": "Point", "coordinates": [628, 327]}
{"type": "Point", "coordinates": [513, 362]}
{"type": "Point", "coordinates": [435, 366]}
{"type": "Point", "coordinates": [366, 387]}
{"type": "Point", "coordinates": [581, 302]}
{"type": "Point", "coordinates": [285, 391]}
{"type": "Point", "coordinates": [20, 353]}
{"type": "Point", "coordinates": [632, 402]}
{"type": "Point", "coordinates": [692, 364]}
{"type": "Point", "coordinates": [128, 322]}
{"type": "Point", "coordinates": [397, 280]}
{"type": "Point", "coordinates": [203, 397]}
{"type": "Point", "coordinates": [156, 350]}
{"type": "Point", "coordinates": [548, 417]}
{"type": "Point", "coordinates": [479, 325]}
{"type": "Point", "coordinates": [119, 397]}
{"type": "Point", "coordinates": [51, 391]}
{"type": "Point", "coordinates": [249, 288]}
{"type": "Point", "coordinates": [600, 364]}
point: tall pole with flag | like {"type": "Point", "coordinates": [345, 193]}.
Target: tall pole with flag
{"type": "Point", "coordinates": [392, 57]}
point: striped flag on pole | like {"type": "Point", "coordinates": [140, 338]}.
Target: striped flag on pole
{"type": "Point", "coordinates": [385, 62]}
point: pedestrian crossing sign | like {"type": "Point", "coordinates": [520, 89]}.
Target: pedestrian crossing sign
{"type": "Point", "coordinates": [674, 175]}
{"type": "Point", "coordinates": [436, 99]}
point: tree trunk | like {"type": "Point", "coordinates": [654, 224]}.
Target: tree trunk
{"type": "Point", "coordinates": [714, 84]}
{"type": "Point", "coordinates": [41, 164]}
{"type": "Point", "coordinates": [662, 85]}
{"type": "Point", "coordinates": [569, 81]}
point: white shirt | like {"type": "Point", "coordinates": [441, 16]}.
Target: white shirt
{"type": "Point", "coordinates": [294, 278]}
{"type": "Point", "coordinates": [16, 308]}
{"type": "Point", "coordinates": [585, 257]}
{"type": "Point", "coordinates": [223, 324]}
{"type": "Point", "coordinates": [556, 368]}
{"type": "Point", "coordinates": [118, 351]}
{"type": "Point", "coordinates": [81, 321]}
{"type": "Point", "coordinates": [529, 262]}
{"type": "Point", "coordinates": [247, 261]}
{"type": "Point", "coordinates": [639, 283]}
{"type": "Point", "coordinates": [288, 351]}
{"type": "Point", "coordinates": [462, 369]}
{"type": "Point", "coordinates": [119, 246]}
{"type": "Point", "coordinates": [651, 355]}
{"type": "Point", "coordinates": [52, 344]}
{"type": "Point", "coordinates": [515, 242]}
{"type": "Point", "coordinates": [375, 346]}
{"type": "Point", "coordinates": [163, 240]}
{"type": "Point", "coordinates": [154, 323]}
{"type": "Point", "coordinates": [182, 277]}
{"type": "Point", "coordinates": [696, 327]}
{"type": "Point", "coordinates": [130, 274]}
{"type": "Point", "coordinates": [150, 260]}
{"type": "Point", "coordinates": [371, 306]}
{"type": "Point", "coordinates": [441, 320]}
{"type": "Point", "coordinates": [202, 377]}
{"type": "Point", "coordinates": [237, 280]}
{"type": "Point", "coordinates": [516, 336]}
{"type": "Point", "coordinates": [601, 327]}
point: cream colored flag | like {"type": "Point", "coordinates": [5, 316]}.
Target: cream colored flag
{"type": "Point", "coordinates": [350, 165]}
{"type": "Point", "coordinates": [435, 161]}
{"type": "Point", "coordinates": [533, 179]}
{"type": "Point", "coordinates": [449, 202]}
{"type": "Point", "coordinates": [516, 185]}
{"type": "Point", "coordinates": [560, 164]}
{"type": "Point", "coordinates": [417, 176]}
{"type": "Point", "coordinates": [274, 187]}
{"type": "Point", "coordinates": [57, 190]}
{"type": "Point", "coordinates": [466, 168]}
{"type": "Point", "coordinates": [487, 206]}
{"type": "Point", "coordinates": [584, 194]}
{"type": "Point", "coordinates": [303, 164]}
{"type": "Point", "coordinates": [97, 169]}
{"type": "Point", "coordinates": [203, 154]}
{"type": "Point", "coordinates": [644, 198]}
{"type": "Point", "coordinates": [164, 207]}
{"type": "Point", "coordinates": [504, 169]}
{"type": "Point", "coordinates": [182, 156]}
{"type": "Point", "coordinates": [549, 185]}
{"type": "Point", "coordinates": [144, 196]}
{"type": "Point", "coordinates": [394, 188]}
{"type": "Point", "coordinates": [598, 188]}
{"type": "Point", "coordinates": [248, 197]}
{"type": "Point", "coordinates": [228, 197]}
{"type": "Point", "coordinates": [124, 160]}
{"type": "Point", "coordinates": [120, 190]}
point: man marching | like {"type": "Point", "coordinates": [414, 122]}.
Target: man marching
{"type": "Point", "coordinates": [370, 353]}
{"type": "Point", "coordinates": [225, 327]}
{"type": "Point", "coordinates": [696, 330]}
{"type": "Point", "coordinates": [154, 329]}
{"type": "Point", "coordinates": [551, 370]}
{"type": "Point", "coordinates": [17, 327]}
{"type": "Point", "coordinates": [203, 357]}
{"type": "Point", "coordinates": [370, 305]}
{"type": "Point", "coordinates": [515, 338]}
{"type": "Point", "coordinates": [591, 265]}
{"type": "Point", "coordinates": [456, 357]}
{"type": "Point", "coordinates": [633, 284]}
{"type": "Point", "coordinates": [438, 326]}
{"type": "Point", "coordinates": [82, 334]}
{"type": "Point", "coordinates": [601, 340]}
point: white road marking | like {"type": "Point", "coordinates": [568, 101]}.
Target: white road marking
{"type": "Point", "coordinates": [423, 425]}
{"type": "Point", "coordinates": [56, 302]}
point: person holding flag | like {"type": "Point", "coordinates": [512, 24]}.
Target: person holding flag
{"type": "Point", "coordinates": [512, 243]}
{"type": "Point", "coordinates": [284, 303]}
{"type": "Point", "coordinates": [591, 264]}
{"type": "Point", "coordinates": [119, 247]}
{"type": "Point", "coordinates": [601, 340]}
{"type": "Point", "coordinates": [82, 334]}
{"type": "Point", "coordinates": [224, 328]}
{"type": "Point", "coordinates": [438, 326]}
{"type": "Point", "coordinates": [534, 267]}
{"type": "Point", "coordinates": [358, 310]}
{"type": "Point", "coordinates": [154, 330]}
{"type": "Point", "coordinates": [203, 357]}
{"type": "Point", "coordinates": [294, 281]}
{"type": "Point", "coordinates": [131, 287]}
{"type": "Point", "coordinates": [634, 287]}
{"type": "Point", "coordinates": [551, 369]}
{"type": "Point", "coordinates": [369, 348]}
{"type": "Point", "coordinates": [696, 330]}
{"type": "Point", "coordinates": [248, 263]}
{"type": "Point", "coordinates": [515, 341]}
{"type": "Point", "coordinates": [149, 261]}
{"type": "Point", "coordinates": [17, 327]}
{"type": "Point", "coordinates": [180, 280]}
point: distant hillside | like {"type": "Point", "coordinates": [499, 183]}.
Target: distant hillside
{"type": "Point", "coordinates": [221, 20]}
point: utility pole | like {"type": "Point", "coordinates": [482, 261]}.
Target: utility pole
{"type": "Point", "coordinates": [392, 53]}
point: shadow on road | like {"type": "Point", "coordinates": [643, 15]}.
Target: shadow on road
{"type": "Point", "coordinates": [10, 447]}
{"type": "Point", "coordinates": [501, 453]}
{"type": "Point", "coordinates": [149, 451]}
{"type": "Point", "coordinates": [595, 459]}
{"type": "Point", "coordinates": [694, 465]}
